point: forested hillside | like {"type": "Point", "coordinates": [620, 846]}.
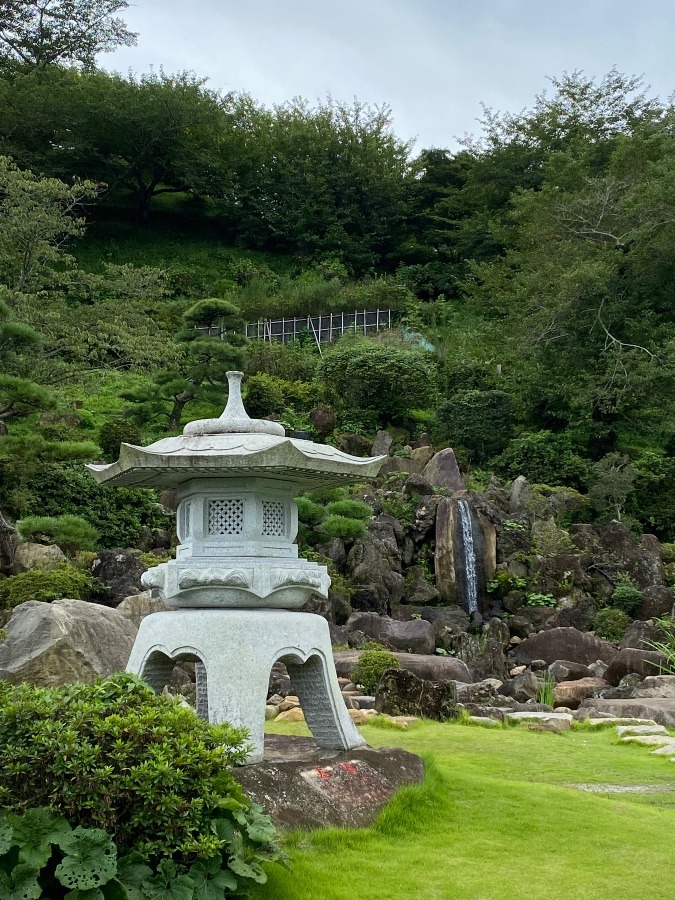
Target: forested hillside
{"type": "Point", "coordinates": [137, 211]}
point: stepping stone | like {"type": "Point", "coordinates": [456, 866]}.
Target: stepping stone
{"type": "Point", "coordinates": [614, 720]}
{"type": "Point", "coordinates": [666, 750]}
{"type": "Point", "coordinates": [485, 721]}
{"type": "Point", "coordinates": [522, 716]}
{"type": "Point", "coordinates": [648, 740]}
{"type": "Point", "coordinates": [623, 730]}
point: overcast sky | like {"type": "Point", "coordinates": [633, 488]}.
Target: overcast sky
{"type": "Point", "coordinates": [432, 61]}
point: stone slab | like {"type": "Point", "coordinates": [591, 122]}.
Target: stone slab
{"type": "Point", "coordinates": [659, 710]}
{"type": "Point", "coordinates": [539, 716]}
{"type": "Point", "coordinates": [302, 786]}
{"type": "Point", "coordinates": [648, 740]}
{"type": "Point", "coordinates": [624, 730]}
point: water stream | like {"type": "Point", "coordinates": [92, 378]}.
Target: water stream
{"type": "Point", "coordinates": [469, 554]}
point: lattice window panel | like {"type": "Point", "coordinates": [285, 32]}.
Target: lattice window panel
{"type": "Point", "coordinates": [274, 519]}
{"type": "Point", "coordinates": [226, 516]}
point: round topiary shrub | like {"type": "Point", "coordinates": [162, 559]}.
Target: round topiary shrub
{"type": "Point", "coordinates": [611, 624]}
{"type": "Point", "coordinates": [70, 533]}
{"type": "Point", "coordinates": [342, 527]}
{"type": "Point", "coordinates": [115, 755]}
{"type": "Point", "coordinates": [351, 509]}
{"type": "Point", "coordinates": [115, 432]}
{"type": "Point", "coordinates": [372, 664]}
{"type": "Point", "coordinates": [46, 586]}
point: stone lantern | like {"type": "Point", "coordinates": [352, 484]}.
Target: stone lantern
{"type": "Point", "coordinates": [237, 581]}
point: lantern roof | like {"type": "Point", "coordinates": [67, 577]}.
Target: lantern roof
{"type": "Point", "coordinates": [235, 446]}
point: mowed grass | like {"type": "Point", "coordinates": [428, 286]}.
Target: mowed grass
{"type": "Point", "coordinates": [497, 819]}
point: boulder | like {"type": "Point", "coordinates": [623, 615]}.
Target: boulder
{"type": "Point", "coordinates": [431, 668]}
{"type": "Point", "coordinates": [444, 553]}
{"type": "Point", "coordinates": [417, 485]}
{"type": "Point", "coordinates": [138, 606]}
{"type": "Point", "coordinates": [303, 786]}
{"type": "Point", "coordinates": [579, 614]}
{"type": "Point", "coordinates": [564, 670]}
{"type": "Point", "coordinates": [394, 464]}
{"type": "Point", "coordinates": [418, 591]}
{"type": "Point", "coordinates": [522, 688]}
{"type": "Point", "coordinates": [400, 693]}
{"type": "Point", "coordinates": [382, 444]}
{"type": "Point", "coordinates": [421, 456]}
{"type": "Point", "coordinates": [454, 618]}
{"type": "Point", "coordinates": [641, 662]}
{"type": "Point", "coordinates": [425, 518]}
{"type": "Point", "coordinates": [50, 644]}
{"type": "Point", "coordinates": [643, 562]}
{"type": "Point", "coordinates": [442, 470]}
{"type": "Point", "coordinates": [660, 686]}
{"type": "Point", "coordinates": [571, 693]}
{"type": "Point", "coordinates": [484, 654]}
{"type": "Point", "coordinates": [564, 643]}
{"type": "Point", "coordinates": [661, 711]}
{"type": "Point", "coordinates": [37, 556]}
{"type": "Point", "coordinates": [639, 634]}
{"type": "Point", "coordinates": [374, 562]}
{"type": "Point", "coordinates": [657, 601]}
{"type": "Point", "coordinates": [482, 693]}
{"type": "Point", "coordinates": [415, 636]}
{"type": "Point", "coordinates": [120, 571]}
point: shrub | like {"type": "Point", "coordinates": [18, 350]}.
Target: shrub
{"type": "Point", "coordinates": [117, 513]}
{"type": "Point", "coordinates": [46, 586]}
{"type": "Point", "coordinates": [342, 527]}
{"type": "Point", "coordinates": [264, 396]}
{"type": "Point", "coordinates": [372, 664]}
{"type": "Point", "coordinates": [116, 756]}
{"type": "Point", "coordinates": [611, 624]}
{"type": "Point", "coordinates": [626, 596]}
{"type": "Point", "coordinates": [352, 509]}
{"type": "Point", "coordinates": [386, 380]}
{"type": "Point", "coordinates": [668, 553]}
{"type": "Point", "coordinates": [115, 432]}
{"type": "Point", "coordinates": [70, 533]}
{"type": "Point", "coordinates": [480, 421]}
{"type": "Point", "coordinates": [310, 513]}
{"type": "Point", "coordinates": [543, 457]}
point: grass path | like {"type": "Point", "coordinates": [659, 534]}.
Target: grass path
{"type": "Point", "coordinates": [496, 819]}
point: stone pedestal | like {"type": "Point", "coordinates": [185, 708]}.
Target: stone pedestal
{"type": "Point", "coordinates": [237, 649]}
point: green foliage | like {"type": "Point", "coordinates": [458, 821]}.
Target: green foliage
{"type": "Point", "coordinates": [42, 856]}
{"type": "Point", "coordinates": [350, 509]}
{"type": "Point", "coordinates": [626, 595]}
{"type": "Point", "coordinates": [480, 421]}
{"type": "Point", "coordinates": [46, 586]}
{"type": "Point", "coordinates": [610, 624]}
{"type": "Point", "coordinates": [310, 513]}
{"type": "Point", "coordinates": [550, 540]}
{"type": "Point", "coordinates": [543, 457]}
{"type": "Point", "coordinates": [542, 600]}
{"type": "Point", "coordinates": [387, 380]}
{"type": "Point", "coordinates": [668, 551]}
{"type": "Point", "coordinates": [653, 500]}
{"type": "Point", "coordinates": [115, 432]}
{"type": "Point", "coordinates": [116, 513]}
{"type": "Point", "coordinates": [546, 692]}
{"type": "Point", "coordinates": [401, 507]}
{"type": "Point", "coordinates": [70, 533]}
{"type": "Point", "coordinates": [371, 666]}
{"type": "Point", "coordinates": [334, 526]}
{"type": "Point", "coordinates": [666, 647]}
{"type": "Point", "coordinates": [264, 396]}
{"type": "Point", "coordinates": [116, 756]}
{"type": "Point", "coordinates": [503, 582]}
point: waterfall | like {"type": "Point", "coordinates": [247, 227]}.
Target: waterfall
{"type": "Point", "coordinates": [469, 554]}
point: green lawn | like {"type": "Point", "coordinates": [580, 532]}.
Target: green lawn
{"type": "Point", "coordinates": [496, 819]}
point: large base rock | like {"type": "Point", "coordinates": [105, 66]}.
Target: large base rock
{"type": "Point", "coordinates": [301, 786]}
{"type": "Point", "coordinates": [564, 643]}
{"type": "Point", "coordinates": [431, 668]}
{"type": "Point", "coordinates": [50, 644]}
{"type": "Point", "coordinates": [415, 636]}
{"type": "Point", "coordinates": [401, 693]}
